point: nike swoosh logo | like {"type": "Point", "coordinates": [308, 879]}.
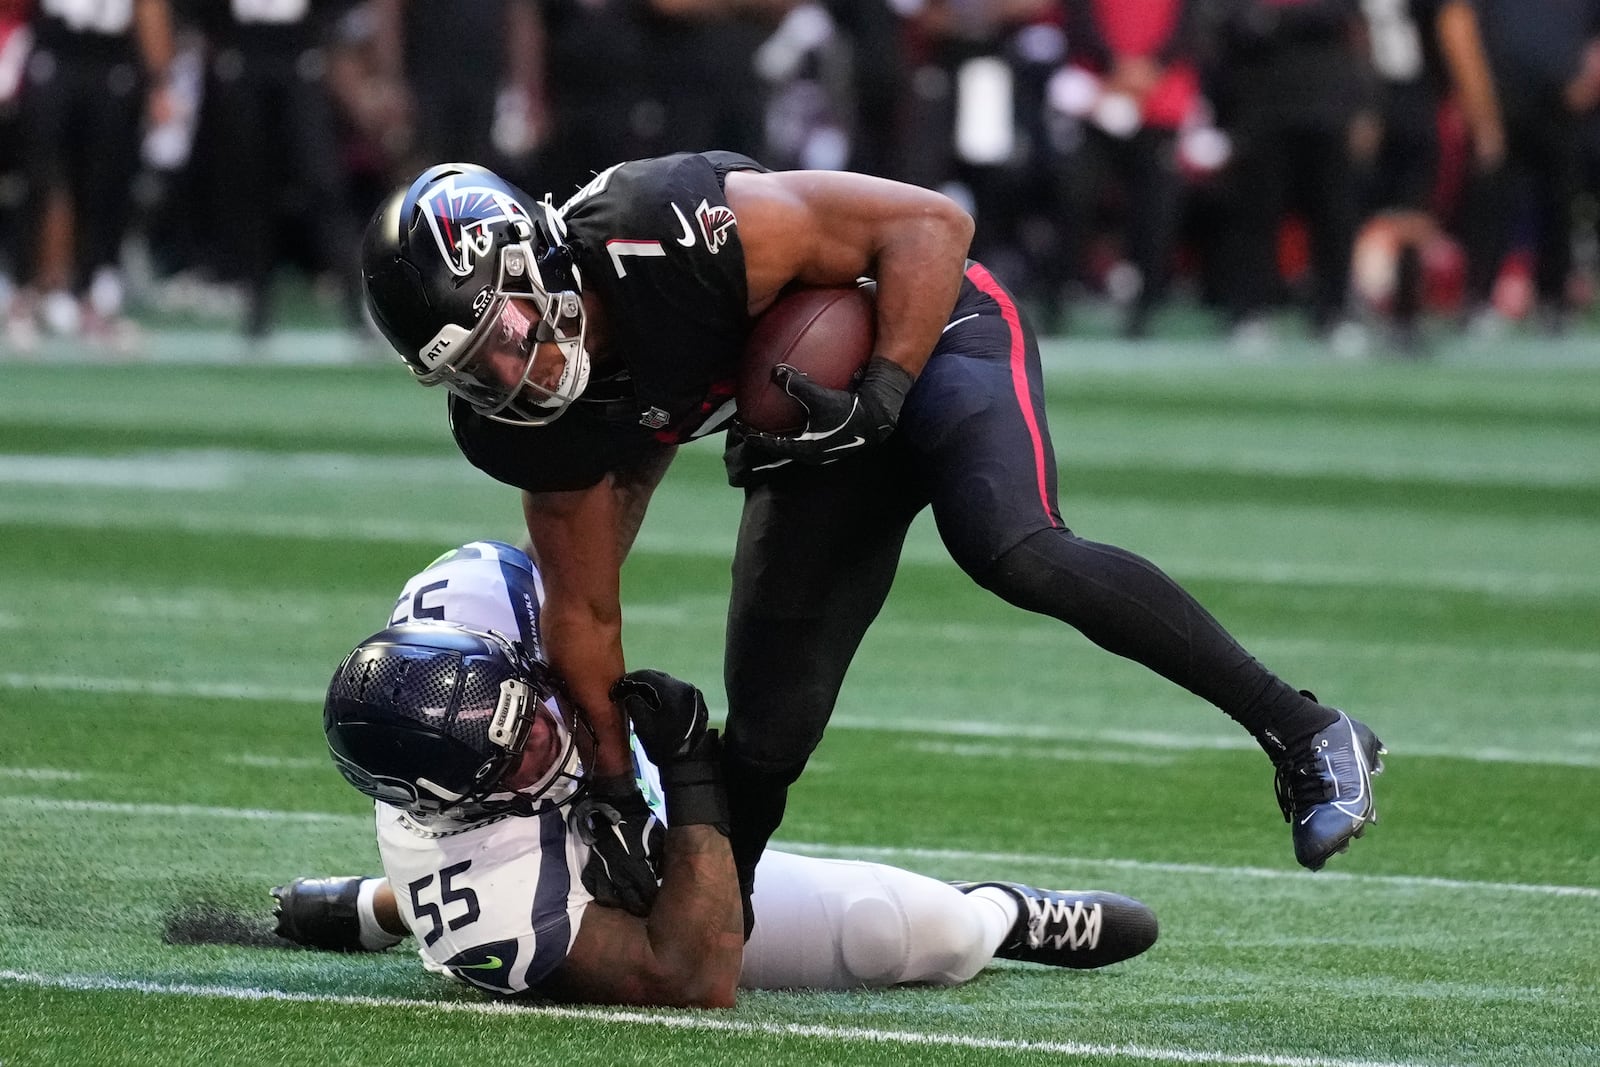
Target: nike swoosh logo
{"type": "Point", "coordinates": [687, 240]}
{"type": "Point", "coordinates": [859, 440]}
{"type": "Point", "coordinates": [717, 418]}
{"type": "Point", "coordinates": [493, 964]}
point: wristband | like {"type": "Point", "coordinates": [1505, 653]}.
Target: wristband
{"type": "Point", "coordinates": [693, 787]}
{"type": "Point", "coordinates": [883, 390]}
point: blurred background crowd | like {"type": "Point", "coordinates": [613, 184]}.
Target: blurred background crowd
{"type": "Point", "coordinates": [1370, 171]}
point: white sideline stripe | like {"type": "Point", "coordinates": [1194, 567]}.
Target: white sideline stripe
{"type": "Point", "coordinates": [106, 807]}
{"type": "Point", "coordinates": [92, 983]}
{"type": "Point", "coordinates": [1002, 731]}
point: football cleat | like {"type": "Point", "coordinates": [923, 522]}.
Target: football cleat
{"type": "Point", "coordinates": [1324, 787]}
{"type": "Point", "coordinates": [1072, 928]}
{"type": "Point", "coordinates": [320, 913]}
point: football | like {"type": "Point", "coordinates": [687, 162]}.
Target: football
{"type": "Point", "coordinates": [827, 332]}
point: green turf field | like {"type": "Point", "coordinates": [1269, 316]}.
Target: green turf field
{"type": "Point", "coordinates": [190, 547]}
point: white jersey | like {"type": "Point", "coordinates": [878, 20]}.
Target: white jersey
{"type": "Point", "coordinates": [498, 903]}
{"type": "Point", "coordinates": [488, 585]}
{"type": "Point", "coordinates": [495, 903]}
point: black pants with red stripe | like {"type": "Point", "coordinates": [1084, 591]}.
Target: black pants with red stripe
{"type": "Point", "coordinates": [818, 548]}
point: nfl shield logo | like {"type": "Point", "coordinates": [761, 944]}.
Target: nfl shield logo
{"type": "Point", "coordinates": [655, 419]}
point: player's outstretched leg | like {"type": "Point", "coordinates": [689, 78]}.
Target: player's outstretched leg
{"type": "Point", "coordinates": [324, 913]}
{"type": "Point", "coordinates": [1072, 928]}
{"type": "Point", "coordinates": [1324, 786]}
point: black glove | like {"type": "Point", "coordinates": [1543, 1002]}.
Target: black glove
{"type": "Point", "coordinates": [668, 714]}
{"type": "Point", "coordinates": [838, 421]}
{"type": "Point", "coordinates": [625, 840]}
{"type": "Point", "coordinates": [669, 717]}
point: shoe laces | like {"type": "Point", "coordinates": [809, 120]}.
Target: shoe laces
{"type": "Point", "coordinates": [1064, 923]}
{"type": "Point", "coordinates": [1300, 782]}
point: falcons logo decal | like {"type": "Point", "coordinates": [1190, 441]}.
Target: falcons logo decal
{"type": "Point", "coordinates": [715, 222]}
{"type": "Point", "coordinates": [460, 217]}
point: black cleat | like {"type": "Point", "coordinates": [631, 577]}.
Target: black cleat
{"type": "Point", "coordinates": [320, 913]}
{"type": "Point", "coordinates": [1073, 928]}
{"type": "Point", "coordinates": [1324, 787]}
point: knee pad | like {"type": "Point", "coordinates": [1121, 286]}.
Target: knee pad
{"type": "Point", "coordinates": [875, 941]}
{"type": "Point", "coordinates": [918, 931]}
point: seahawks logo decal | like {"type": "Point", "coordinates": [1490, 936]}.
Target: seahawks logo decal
{"type": "Point", "coordinates": [460, 217]}
{"type": "Point", "coordinates": [395, 791]}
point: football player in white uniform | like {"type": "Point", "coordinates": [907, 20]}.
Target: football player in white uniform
{"type": "Point", "coordinates": [452, 722]}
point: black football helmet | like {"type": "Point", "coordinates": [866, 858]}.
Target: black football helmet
{"type": "Point", "coordinates": [466, 275]}
{"type": "Point", "coordinates": [430, 717]}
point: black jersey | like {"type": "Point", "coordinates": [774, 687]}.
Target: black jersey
{"type": "Point", "coordinates": [86, 29]}
{"type": "Point", "coordinates": [265, 28]}
{"type": "Point", "coordinates": [655, 240]}
{"type": "Point", "coordinates": [1404, 39]}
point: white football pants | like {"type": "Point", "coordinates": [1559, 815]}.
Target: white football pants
{"type": "Point", "coordinates": [839, 924]}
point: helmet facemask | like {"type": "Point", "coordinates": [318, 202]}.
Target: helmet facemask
{"type": "Point", "coordinates": [528, 711]}
{"type": "Point", "coordinates": [536, 299]}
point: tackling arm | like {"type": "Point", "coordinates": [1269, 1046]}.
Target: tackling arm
{"type": "Point", "coordinates": [580, 539]}
{"type": "Point", "coordinates": [686, 954]}
{"type": "Point", "coordinates": [689, 951]}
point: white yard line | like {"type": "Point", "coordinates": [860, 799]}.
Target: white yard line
{"type": "Point", "coordinates": [991, 751]}
{"type": "Point", "coordinates": [686, 1021]}
{"type": "Point", "coordinates": [718, 545]}
{"type": "Point", "coordinates": [1405, 881]}
{"type": "Point", "coordinates": [41, 774]}
{"type": "Point", "coordinates": [999, 731]}
{"type": "Point", "coordinates": [49, 805]}
{"type": "Point", "coordinates": [200, 469]}
{"type": "Point", "coordinates": [251, 523]}
{"type": "Point", "coordinates": [209, 603]}
{"type": "Point", "coordinates": [58, 683]}
{"type": "Point", "coordinates": [277, 763]}
{"type": "Point", "coordinates": [1176, 741]}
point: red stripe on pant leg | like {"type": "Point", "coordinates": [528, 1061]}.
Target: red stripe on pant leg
{"type": "Point", "coordinates": [1019, 376]}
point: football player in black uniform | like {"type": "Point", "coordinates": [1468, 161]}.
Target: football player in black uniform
{"type": "Point", "coordinates": [1422, 51]}
{"type": "Point", "coordinates": [97, 70]}
{"type": "Point", "coordinates": [268, 126]}
{"type": "Point", "coordinates": [582, 344]}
